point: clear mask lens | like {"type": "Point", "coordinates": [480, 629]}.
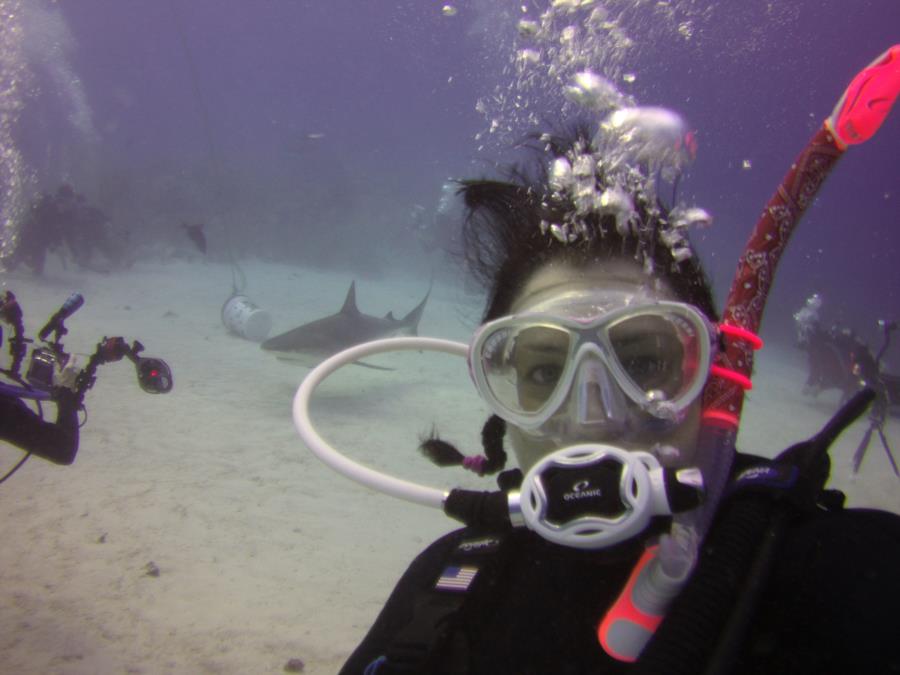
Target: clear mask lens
{"type": "Point", "coordinates": [659, 354]}
{"type": "Point", "coordinates": [529, 366]}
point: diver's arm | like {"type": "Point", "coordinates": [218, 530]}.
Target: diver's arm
{"type": "Point", "coordinates": [56, 442]}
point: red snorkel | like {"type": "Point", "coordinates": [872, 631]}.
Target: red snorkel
{"type": "Point", "coordinates": [858, 115]}
{"type": "Point", "coordinates": [865, 104]}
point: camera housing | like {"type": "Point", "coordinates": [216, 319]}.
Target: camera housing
{"type": "Point", "coordinates": [40, 370]}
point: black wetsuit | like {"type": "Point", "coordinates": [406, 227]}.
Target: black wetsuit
{"type": "Point", "coordinates": [56, 442]}
{"type": "Point", "coordinates": [828, 605]}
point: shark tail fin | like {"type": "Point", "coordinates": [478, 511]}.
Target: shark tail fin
{"type": "Point", "coordinates": [412, 319]}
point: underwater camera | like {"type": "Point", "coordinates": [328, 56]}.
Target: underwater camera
{"type": "Point", "coordinates": [53, 375]}
{"type": "Point", "coordinates": [48, 361]}
{"type": "Point", "coordinates": [41, 368]}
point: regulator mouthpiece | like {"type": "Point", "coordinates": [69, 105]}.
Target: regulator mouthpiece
{"type": "Point", "coordinates": [594, 496]}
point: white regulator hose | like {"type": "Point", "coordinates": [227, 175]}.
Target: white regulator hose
{"type": "Point", "coordinates": [396, 487]}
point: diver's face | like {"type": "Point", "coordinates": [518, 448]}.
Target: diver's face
{"type": "Point", "coordinates": [596, 410]}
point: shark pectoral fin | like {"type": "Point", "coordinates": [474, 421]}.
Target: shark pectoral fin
{"type": "Point", "coordinates": [302, 359]}
{"type": "Point", "coordinates": [370, 365]}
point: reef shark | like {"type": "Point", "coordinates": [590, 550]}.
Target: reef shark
{"type": "Point", "coordinates": [314, 342]}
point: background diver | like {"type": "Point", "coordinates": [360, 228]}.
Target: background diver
{"type": "Point", "coordinates": [53, 376]}
{"type": "Point", "coordinates": [838, 359]}
{"type": "Point", "coordinates": [64, 222]}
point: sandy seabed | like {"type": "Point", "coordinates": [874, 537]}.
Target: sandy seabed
{"type": "Point", "coordinates": [263, 553]}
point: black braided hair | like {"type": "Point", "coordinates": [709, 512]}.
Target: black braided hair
{"type": "Point", "coordinates": [492, 434]}
{"type": "Point", "coordinates": [443, 453]}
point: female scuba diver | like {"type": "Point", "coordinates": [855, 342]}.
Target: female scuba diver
{"type": "Point", "coordinates": [599, 331]}
{"type": "Point", "coordinates": [649, 545]}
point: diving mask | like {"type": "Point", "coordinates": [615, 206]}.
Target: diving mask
{"type": "Point", "coordinates": [531, 368]}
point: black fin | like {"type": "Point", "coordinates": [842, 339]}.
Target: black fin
{"type": "Point", "coordinates": [415, 315]}
{"type": "Point", "coordinates": [811, 456]}
{"type": "Point", "coordinates": [806, 453]}
{"type": "Point", "coordinates": [350, 301]}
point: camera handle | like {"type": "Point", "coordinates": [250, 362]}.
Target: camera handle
{"type": "Point", "coordinates": [11, 313]}
{"type": "Point", "coordinates": [154, 375]}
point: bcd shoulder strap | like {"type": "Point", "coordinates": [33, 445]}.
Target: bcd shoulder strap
{"type": "Point", "coordinates": [432, 641]}
{"type": "Point", "coordinates": [705, 626]}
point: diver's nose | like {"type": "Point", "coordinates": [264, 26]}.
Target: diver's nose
{"type": "Point", "coordinates": [598, 400]}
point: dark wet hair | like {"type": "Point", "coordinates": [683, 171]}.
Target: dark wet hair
{"type": "Point", "coordinates": [504, 237]}
{"type": "Point", "coordinates": [506, 240]}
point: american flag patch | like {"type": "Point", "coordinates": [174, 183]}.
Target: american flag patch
{"type": "Point", "coordinates": [456, 578]}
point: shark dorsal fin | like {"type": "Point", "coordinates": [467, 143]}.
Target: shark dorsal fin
{"type": "Point", "coordinates": [390, 316]}
{"type": "Point", "coordinates": [350, 301]}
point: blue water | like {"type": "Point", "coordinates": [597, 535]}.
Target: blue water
{"type": "Point", "coordinates": [307, 131]}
